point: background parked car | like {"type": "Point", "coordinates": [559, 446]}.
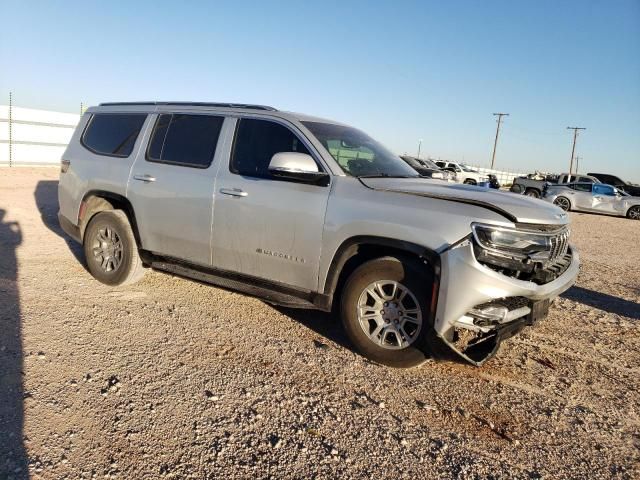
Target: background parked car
{"type": "Point", "coordinates": [593, 197]}
{"type": "Point", "coordinates": [630, 188]}
{"type": "Point", "coordinates": [463, 173]}
{"type": "Point", "coordinates": [534, 187]}
{"type": "Point", "coordinates": [424, 169]}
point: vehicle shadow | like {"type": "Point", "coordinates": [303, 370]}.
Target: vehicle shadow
{"type": "Point", "coordinates": [46, 196]}
{"type": "Point", "coordinates": [13, 459]}
{"type": "Point", "coordinates": [325, 324]}
{"type": "Point", "coordinates": [603, 301]}
{"type": "Point", "coordinates": [328, 325]}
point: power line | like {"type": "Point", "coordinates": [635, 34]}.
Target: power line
{"type": "Point", "coordinates": [495, 143]}
{"type": "Point", "coordinates": [573, 149]}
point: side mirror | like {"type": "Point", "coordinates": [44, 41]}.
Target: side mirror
{"type": "Point", "coordinates": [297, 166]}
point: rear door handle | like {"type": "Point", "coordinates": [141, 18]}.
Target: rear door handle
{"type": "Point", "coordinates": [144, 178]}
{"type": "Point", "coordinates": [234, 192]}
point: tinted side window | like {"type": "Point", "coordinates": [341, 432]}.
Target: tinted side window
{"type": "Point", "coordinates": [113, 134]}
{"type": "Point", "coordinates": [582, 187]}
{"type": "Point", "coordinates": [182, 139]}
{"type": "Point", "coordinates": [256, 142]}
{"type": "Point", "coordinates": [600, 189]}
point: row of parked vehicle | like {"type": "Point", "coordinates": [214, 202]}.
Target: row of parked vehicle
{"type": "Point", "coordinates": [451, 171]}
{"type": "Point", "coordinates": [593, 192]}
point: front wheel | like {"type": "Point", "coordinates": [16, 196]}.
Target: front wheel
{"type": "Point", "coordinates": [111, 250]}
{"type": "Point", "coordinates": [470, 181]}
{"type": "Point", "coordinates": [634, 212]}
{"type": "Point", "coordinates": [385, 311]}
{"type": "Point", "coordinates": [563, 203]}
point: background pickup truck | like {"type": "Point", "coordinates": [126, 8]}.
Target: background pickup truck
{"type": "Point", "coordinates": [533, 187]}
{"type": "Point", "coordinates": [630, 188]}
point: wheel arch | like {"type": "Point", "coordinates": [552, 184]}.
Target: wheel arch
{"type": "Point", "coordinates": [96, 201]}
{"type": "Point", "coordinates": [566, 198]}
{"type": "Point", "coordinates": [354, 251]}
{"type": "Point", "coordinates": [628, 214]}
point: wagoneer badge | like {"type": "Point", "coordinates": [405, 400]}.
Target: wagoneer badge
{"type": "Point", "coordinates": [284, 256]}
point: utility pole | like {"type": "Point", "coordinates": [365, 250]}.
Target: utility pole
{"type": "Point", "coordinates": [578, 157]}
{"type": "Point", "coordinates": [573, 149]}
{"type": "Point", "coordinates": [419, 145]}
{"type": "Point", "coordinates": [495, 143]}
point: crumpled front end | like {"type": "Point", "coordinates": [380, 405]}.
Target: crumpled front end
{"type": "Point", "coordinates": [480, 304]}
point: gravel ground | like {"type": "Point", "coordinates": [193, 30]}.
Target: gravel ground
{"type": "Point", "coordinates": [171, 378]}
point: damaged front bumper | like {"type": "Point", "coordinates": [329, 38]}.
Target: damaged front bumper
{"type": "Point", "coordinates": [479, 307]}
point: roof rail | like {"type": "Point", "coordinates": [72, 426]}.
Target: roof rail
{"type": "Point", "coordinates": [194, 104]}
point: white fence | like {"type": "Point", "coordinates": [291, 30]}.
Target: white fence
{"type": "Point", "coordinates": [34, 137]}
{"type": "Point", "coordinates": [505, 178]}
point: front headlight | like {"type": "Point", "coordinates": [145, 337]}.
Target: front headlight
{"type": "Point", "coordinates": [516, 249]}
{"type": "Point", "coordinates": [511, 241]}
{"type": "Point", "coordinates": [438, 175]}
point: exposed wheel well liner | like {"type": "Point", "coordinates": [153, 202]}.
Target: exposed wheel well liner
{"type": "Point", "coordinates": [357, 250]}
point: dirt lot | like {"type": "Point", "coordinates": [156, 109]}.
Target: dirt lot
{"type": "Point", "coordinates": [170, 378]}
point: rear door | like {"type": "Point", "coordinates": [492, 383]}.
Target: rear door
{"type": "Point", "coordinates": [263, 226]}
{"type": "Point", "coordinates": [172, 183]}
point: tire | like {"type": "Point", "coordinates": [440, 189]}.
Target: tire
{"type": "Point", "coordinates": [563, 202]}
{"type": "Point", "coordinates": [532, 193]}
{"type": "Point", "coordinates": [515, 188]}
{"type": "Point", "coordinates": [634, 212]}
{"type": "Point", "coordinates": [409, 276]}
{"type": "Point", "coordinates": [470, 181]}
{"type": "Point", "coordinates": [110, 249]}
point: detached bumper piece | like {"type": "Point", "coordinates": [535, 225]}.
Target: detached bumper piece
{"type": "Point", "coordinates": [477, 335]}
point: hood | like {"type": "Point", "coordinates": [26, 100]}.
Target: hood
{"type": "Point", "coordinates": [514, 207]}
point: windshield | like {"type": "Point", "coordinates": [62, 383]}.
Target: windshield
{"type": "Point", "coordinates": [430, 163]}
{"type": "Point", "coordinates": [358, 154]}
{"type": "Point", "coordinates": [466, 168]}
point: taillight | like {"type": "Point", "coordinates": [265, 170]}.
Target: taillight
{"type": "Point", "coordinates": [64, 165]}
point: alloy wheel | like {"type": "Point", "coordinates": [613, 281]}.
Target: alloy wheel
{"type": "Point", "coordinates": [563, 203]}
{"type": "Point", "coordinates": [108, 249]}
{"type": "Point", "coordinates": [389, 314]}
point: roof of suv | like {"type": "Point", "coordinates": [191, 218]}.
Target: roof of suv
{"type": "Point", "coordinates": [150, 107]}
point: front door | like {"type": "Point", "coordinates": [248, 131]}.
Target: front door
{"type": "Point", "coordinates": [264, 226]}
{"type": "Point", "coordinates": [172, 184]}
{"type": "Point", "coordinates": [605, 199]}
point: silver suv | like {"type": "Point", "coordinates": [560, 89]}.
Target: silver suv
{"type": "Point", "coordinates": [309, 213]}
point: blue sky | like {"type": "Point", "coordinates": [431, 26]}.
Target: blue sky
{"type": "Point", "coordinates": [400, 70]}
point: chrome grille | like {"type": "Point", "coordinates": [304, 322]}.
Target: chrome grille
{"type": "Point", "coordinates": [558, 245]}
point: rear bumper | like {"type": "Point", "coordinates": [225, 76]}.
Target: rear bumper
{"type": "Point", "coordinates": [69, 228]}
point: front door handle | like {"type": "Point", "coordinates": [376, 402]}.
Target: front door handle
{"type": "Point", "coordinates": [234, 192]}
{"type": "Point", "coordinates": [144, 178]}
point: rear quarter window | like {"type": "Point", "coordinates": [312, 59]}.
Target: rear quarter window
{"type": "Point", "coordinates": [113, 134]}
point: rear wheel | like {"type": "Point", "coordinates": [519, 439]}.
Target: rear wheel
{"type": "Point", "coordinates": [563, 203]}
{"type": "Point", "coordinates": [532, 193]}
{"type": "Point", "coordinates": [470, 181]}
{"type": "Point", "coordinates": [111, 250]}
{"type": "Point", "coordinates": [385, 311]}
{"type": "Point", "coordinates": [634, 212]}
